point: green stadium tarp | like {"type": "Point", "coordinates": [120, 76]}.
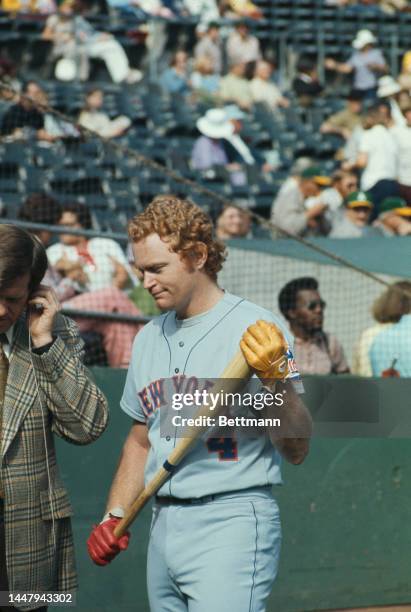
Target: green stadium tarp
{"type": "Point", "coordinates": [345, 511]}
{"type": "Point", "coordinates": [391, 256]}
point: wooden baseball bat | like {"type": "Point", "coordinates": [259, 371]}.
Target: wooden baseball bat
{"type": "Point", "coordinates": [230, 381]}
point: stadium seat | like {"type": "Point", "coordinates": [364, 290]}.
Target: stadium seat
{"type": "Point", "coordinates": [16, 152]}
{"type": "Point", "coordinates": [9, 170]}
{"type": "Point", "coordinates": [12, 45]}
{"type": "Point", "coordinates": [90, 149]}
{"type": "Point", "coordinates": [45, 157]}
{"type": "Point", "coordinates": [129, 205]}
{"type": "Point", "coordinates": [27, 25]}
{"type": "Point", "coordinates": [88, 185]}
{"type": "Point", "coordinates": [12, 203]}
{"type": "Point", "coordinates": [10, 185]}
{"type": "Point", "coordinates": [95, 201]}
{"type": "Point", "coordinates": [34, 178]}
{"type": "Point", "coordinates": [76, 182]}
{"type": "Point", "coordinates": [149, 190]}
{"type": "Point", "coordinates": [107, 221]}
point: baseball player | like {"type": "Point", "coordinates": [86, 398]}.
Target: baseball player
{"type": "Point", "coordinates": [215, 534]}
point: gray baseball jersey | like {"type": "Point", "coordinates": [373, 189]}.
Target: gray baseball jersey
{"type": "Point", "coordinates": [169, 354]}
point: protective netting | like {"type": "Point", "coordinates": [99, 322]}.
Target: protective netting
{"type": "Point", "coordinates": [260, 271]}
{"type": "Point", "coordinates": [93, 186]}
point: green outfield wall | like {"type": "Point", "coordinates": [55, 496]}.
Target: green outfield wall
{"type": "Point", "coordinates": [346, 511]}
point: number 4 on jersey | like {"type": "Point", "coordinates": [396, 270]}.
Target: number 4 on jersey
{"type": "Point", "coordinates": [225, 447]}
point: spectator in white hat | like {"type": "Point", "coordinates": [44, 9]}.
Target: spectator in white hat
{"type": "Point", "coordinates": [237, 149]}
{"type": "Point", "coordinates": [367, 64]}
{"type": "Point", "coordinates": [224, 125]}
{"type": "Point", "coordinates": [389, 90]}
{"type": "Point", "coordinates": [209, 148]}
{"type": "Point", "coordinates": [221, 144]}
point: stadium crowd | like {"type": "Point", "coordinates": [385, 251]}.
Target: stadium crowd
{"type": "Point", "coordinates": [200, 9]}
{"type": "Point", "coordinates": [321, 148]}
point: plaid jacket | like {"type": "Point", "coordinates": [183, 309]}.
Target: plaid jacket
{"type": "Point", "coordinates": [74, 409]}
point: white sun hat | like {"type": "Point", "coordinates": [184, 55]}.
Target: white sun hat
{"type": "Point", "coordinates": [363, 38]}
{"type": "Point", "coordinates": [65, 69]}
{"type": "Point", "coordinates": [387, 86]}
{"type": "Point", "coordinates": [215, 124]}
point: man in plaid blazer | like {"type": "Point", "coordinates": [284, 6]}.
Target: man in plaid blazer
{"type": "Point", "coordinates": [44, 389]}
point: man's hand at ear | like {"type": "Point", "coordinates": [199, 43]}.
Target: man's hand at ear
{"type": "Point", "coordinates": [43, 305]}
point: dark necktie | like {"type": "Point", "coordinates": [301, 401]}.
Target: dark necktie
{"type": "Point", "coordinates": [4, 370]}
{"type": "Point", "coordinates": [4, 367]}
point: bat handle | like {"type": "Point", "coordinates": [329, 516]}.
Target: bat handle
{"type": "Point", "coordinates": [129, 517]}
{"type": "Point", "coordinates": [141, 501]}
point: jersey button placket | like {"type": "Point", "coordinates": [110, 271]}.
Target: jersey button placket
{"type": "Point", "coordinates": [176, 371]}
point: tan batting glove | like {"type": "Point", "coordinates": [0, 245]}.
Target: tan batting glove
{"type": "Point", "coordinates": [265, 348]}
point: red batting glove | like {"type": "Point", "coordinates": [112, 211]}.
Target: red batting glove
{"type": "Point", "coordinates": [103, 545]}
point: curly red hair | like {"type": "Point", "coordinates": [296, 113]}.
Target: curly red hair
{"type": "Point", "coordinates": [183, 225]}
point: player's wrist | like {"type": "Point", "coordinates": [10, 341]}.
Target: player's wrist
{"type": "Point", "coordinates": [115, 512]}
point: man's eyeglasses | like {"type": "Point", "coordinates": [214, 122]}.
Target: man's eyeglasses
{"type": "Point", "coordinates": [314, 303]}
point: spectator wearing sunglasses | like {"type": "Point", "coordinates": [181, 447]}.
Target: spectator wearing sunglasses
{"type": "Point", "coordinates": [354, 221]}
{"type": "Point", "coordinates": [316, 351]}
